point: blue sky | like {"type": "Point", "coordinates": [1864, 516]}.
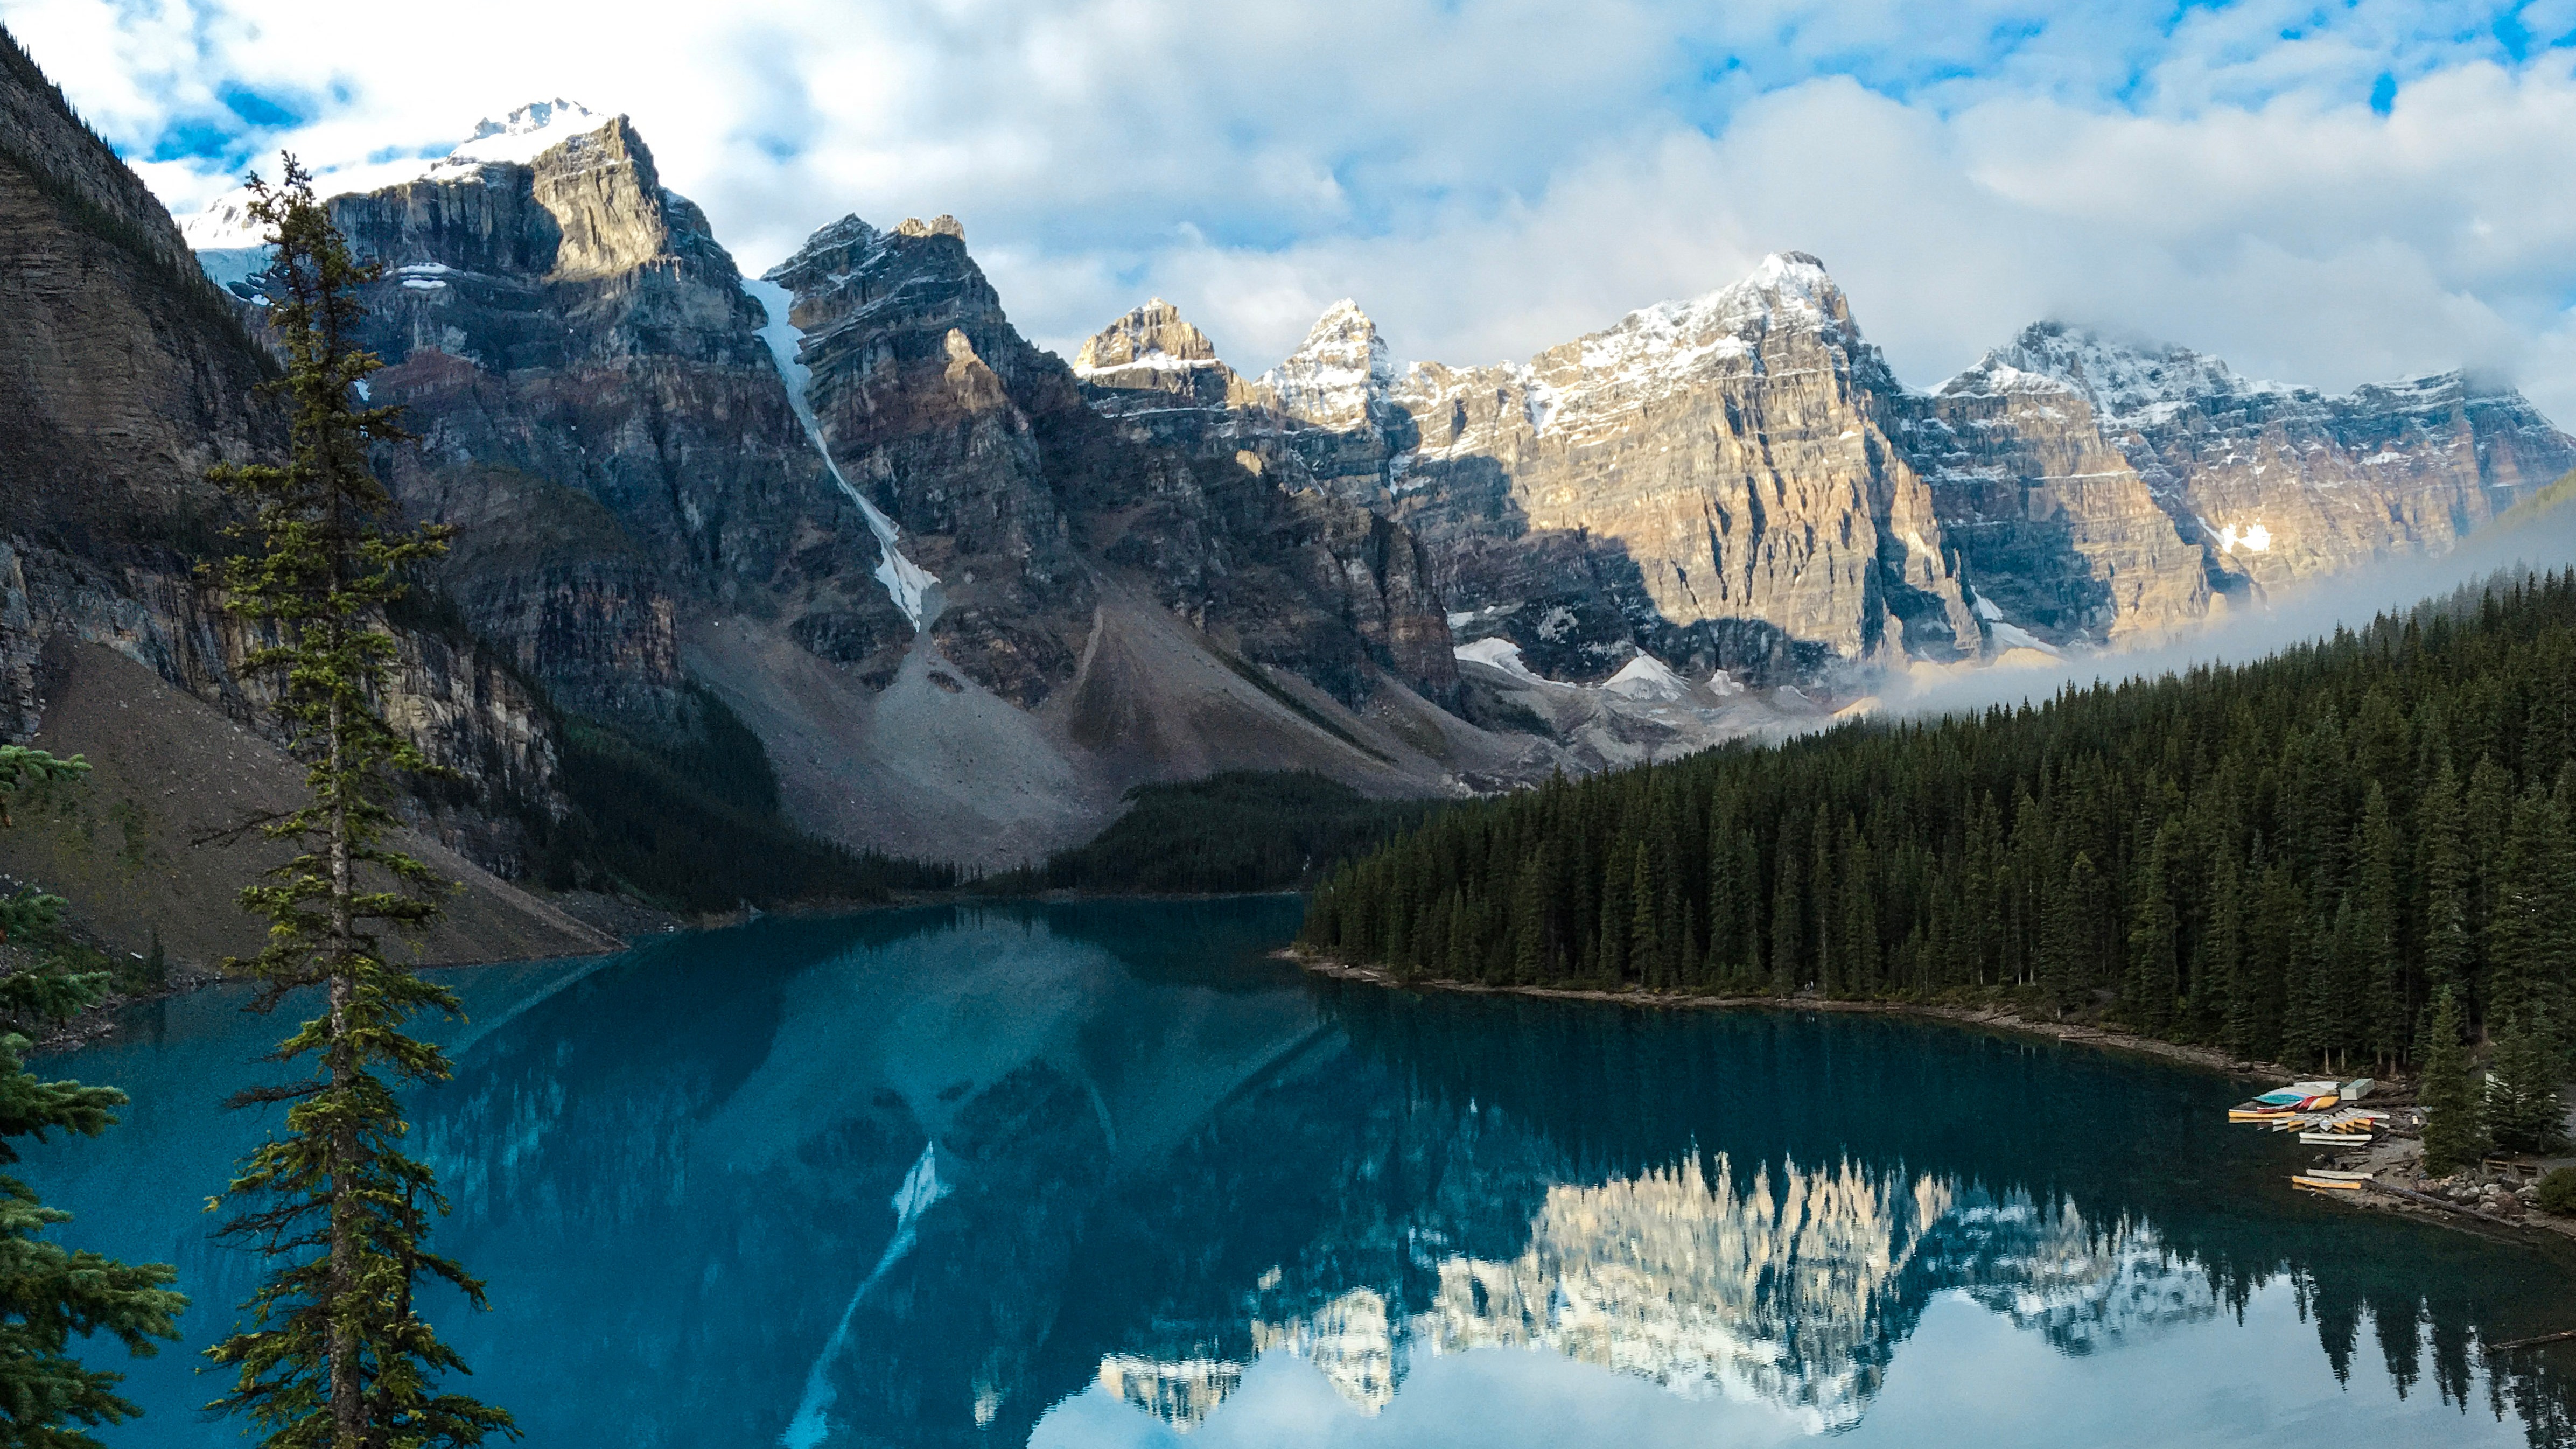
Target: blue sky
{"type": "Point", "coordinates": [2320, 193]}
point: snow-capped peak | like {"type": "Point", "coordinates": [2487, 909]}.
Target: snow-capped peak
{"type": "Point", "coordinates": [224, 225]}
{"type": "Point", "coordinates": [2129, 383]}
{"type": "Point", "coordinates": [1784, 285]}
{"type": "Point", "coordinates": [1340, 375]}
{"type": "Point", "coordinates": [527, 133]}
{"type": "Point", "coordinates": [1670, 342]}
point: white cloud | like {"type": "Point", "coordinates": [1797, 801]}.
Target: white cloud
{"type": "Point", "coordinates": [1493, 176]}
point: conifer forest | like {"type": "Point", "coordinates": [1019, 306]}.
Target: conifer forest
{"type": "Point", "coordinates": [2289, 859]}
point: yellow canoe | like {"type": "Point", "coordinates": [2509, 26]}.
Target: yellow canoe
{"type": "Point", "coordinates": [2323, 1184]}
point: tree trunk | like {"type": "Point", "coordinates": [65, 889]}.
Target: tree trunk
{"type": "Point", "coordinates": [348, 1407]}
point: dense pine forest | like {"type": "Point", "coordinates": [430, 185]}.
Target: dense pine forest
{"type": "Point", "coordinates": [2291, 859]}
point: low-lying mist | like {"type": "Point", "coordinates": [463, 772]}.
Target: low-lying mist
{"type": "Point", "coordinates": [2537, 535]}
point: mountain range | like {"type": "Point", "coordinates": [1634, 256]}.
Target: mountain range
{"type": "Point", "coordinates": [965, 594]}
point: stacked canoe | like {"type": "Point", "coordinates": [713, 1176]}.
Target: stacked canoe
{"type": "Point", "coordinates": [2323, 1115]}
{"type": "Point", "coordinates": [2297, 1099]}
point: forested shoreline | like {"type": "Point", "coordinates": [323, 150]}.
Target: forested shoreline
{"type": "Point", "coordinates": [2287, 860]}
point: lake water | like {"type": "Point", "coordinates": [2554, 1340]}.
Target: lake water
{"type": "Point", "coordinates": [1107, 1175]}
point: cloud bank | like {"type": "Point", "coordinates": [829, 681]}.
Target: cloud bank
{"type": "Point", "coordinates": [2326, 196]}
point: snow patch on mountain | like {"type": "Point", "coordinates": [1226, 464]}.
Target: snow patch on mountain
{"type": "Point", "coordinates": [2254, 536]}
{"type": "Point", "coordinates": [1647, 678]}
{"type": "Point", "coordinates": [907, 583]}
{"type": "Point", "coordinates": [1500, 654]}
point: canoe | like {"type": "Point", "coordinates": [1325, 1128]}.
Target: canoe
{"type": "Point", "coordinates": [2323, 1184]}
{"type": "Point", "coordinates": [2336, 1175]}
{"type": "Point", "coordinates": [2355, 1090]}
{"type": "Point", "coordinates": [2335, 1139]}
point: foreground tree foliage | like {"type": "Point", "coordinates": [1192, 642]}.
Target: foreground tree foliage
{"type": "Point", "coordinates": [2289, 858]}
{"type": "Point", "coordinates": [49, 1293]}
{"type": "Point", "coordinates": [335, 1357]}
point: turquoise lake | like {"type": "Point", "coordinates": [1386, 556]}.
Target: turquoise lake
{"type": "Point", "coordinates": [1108, 1174]}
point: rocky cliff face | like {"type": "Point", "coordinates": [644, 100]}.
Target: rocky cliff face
{"type": "Point", "coordinates": [123, 376]}
{"type": "Point", "coordinates": [2058, 537]}
{"type": "Point", "coordinates": [1712, 480]}
{"type": "Point", "coordinates": [1012, 492]}
{"type": "Point", "coordinates": [598, 415]}
{"type": "Point", "coordinates": [924, 394]}
{"type": "Point", "coordinates": [855, 502]}
{"type": "Point", "coordinates": [1737, 482]}
{"type": "Point", "coordinates": [2276, 484]}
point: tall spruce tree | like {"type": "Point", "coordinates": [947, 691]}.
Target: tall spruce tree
{"type": "Point", "coordinates": [2380, 972]}
{"type": "Point", "coordinates": [2153, 975]}
{"type": "Point", "coordinates": [2519, 1108]}
{"type": "Point", "coordinates": [2453, 1136]}
{"type": "Point", "coordinates": [335, 1355]}
{"type": "Point", "coordinates": [50, 1294]}
{"type": "Point", "coordinates": [2442, 862]}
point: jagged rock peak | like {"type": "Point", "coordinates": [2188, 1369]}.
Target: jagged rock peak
{"type": "Point", "coordinates": [940, 225]}
{"type": "Point", "coordinates": [527, 132]}
{"type": "Point", "coordinates": [2129, 382]}
{"type": "Point", "coordinates": [848, 232]}
{"type": "Point", "coordinates": [1787, 289]}
{"type": "Point", "coordinates": [1153, 335]}
{"type": "Point", "coordinates": [1339, 376]}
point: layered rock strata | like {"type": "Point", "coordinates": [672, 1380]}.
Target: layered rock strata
{"type": "Point", "coordinates": [124, 375]}
{"type": "Point", "coordinates": [600, 420]}
{"type": "Point", "coordinates": [2278, 485]}
{"type": "Point", "coordinates": [1737, 483]}
{"type": "Point", "coordinates": [979, 445]}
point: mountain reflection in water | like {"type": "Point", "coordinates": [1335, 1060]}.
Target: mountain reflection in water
{"type": "Point", "coordinates": [1163, 1170]}
{"type": "Point", "coordinates": [1789, 1292]}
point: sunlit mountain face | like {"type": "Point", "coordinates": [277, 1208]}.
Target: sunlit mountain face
{"type": "Point", "coordinates": [1108, 1174]}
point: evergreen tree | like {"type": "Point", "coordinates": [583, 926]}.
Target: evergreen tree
{"type": "Point", "coordinates": [2377, 964]}
{"type": "Point", "coordinates": [335, 1356]}
{"type": "Point", "coordinates": [2151, 994]}
{"type": "Point", "coordinates": [2227, 953]}
{"type": "Point", "coordinates": [2453, 1138]}
{"type": "Point", "coordinates": [2061, 963]}
{"type": "Point", "coordinates": [2519, 1109]}
{"type": "Point", "coordinates": [50, 1294]}
{"type": "Point", "coordinates": [1787, 940]}
{"type": "Point", "coordinates": [1645, 926]}
{"type": "Point", "coordinates": [2443, 866]}
{"type": "Point", "coordinates": [1618, 916]}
